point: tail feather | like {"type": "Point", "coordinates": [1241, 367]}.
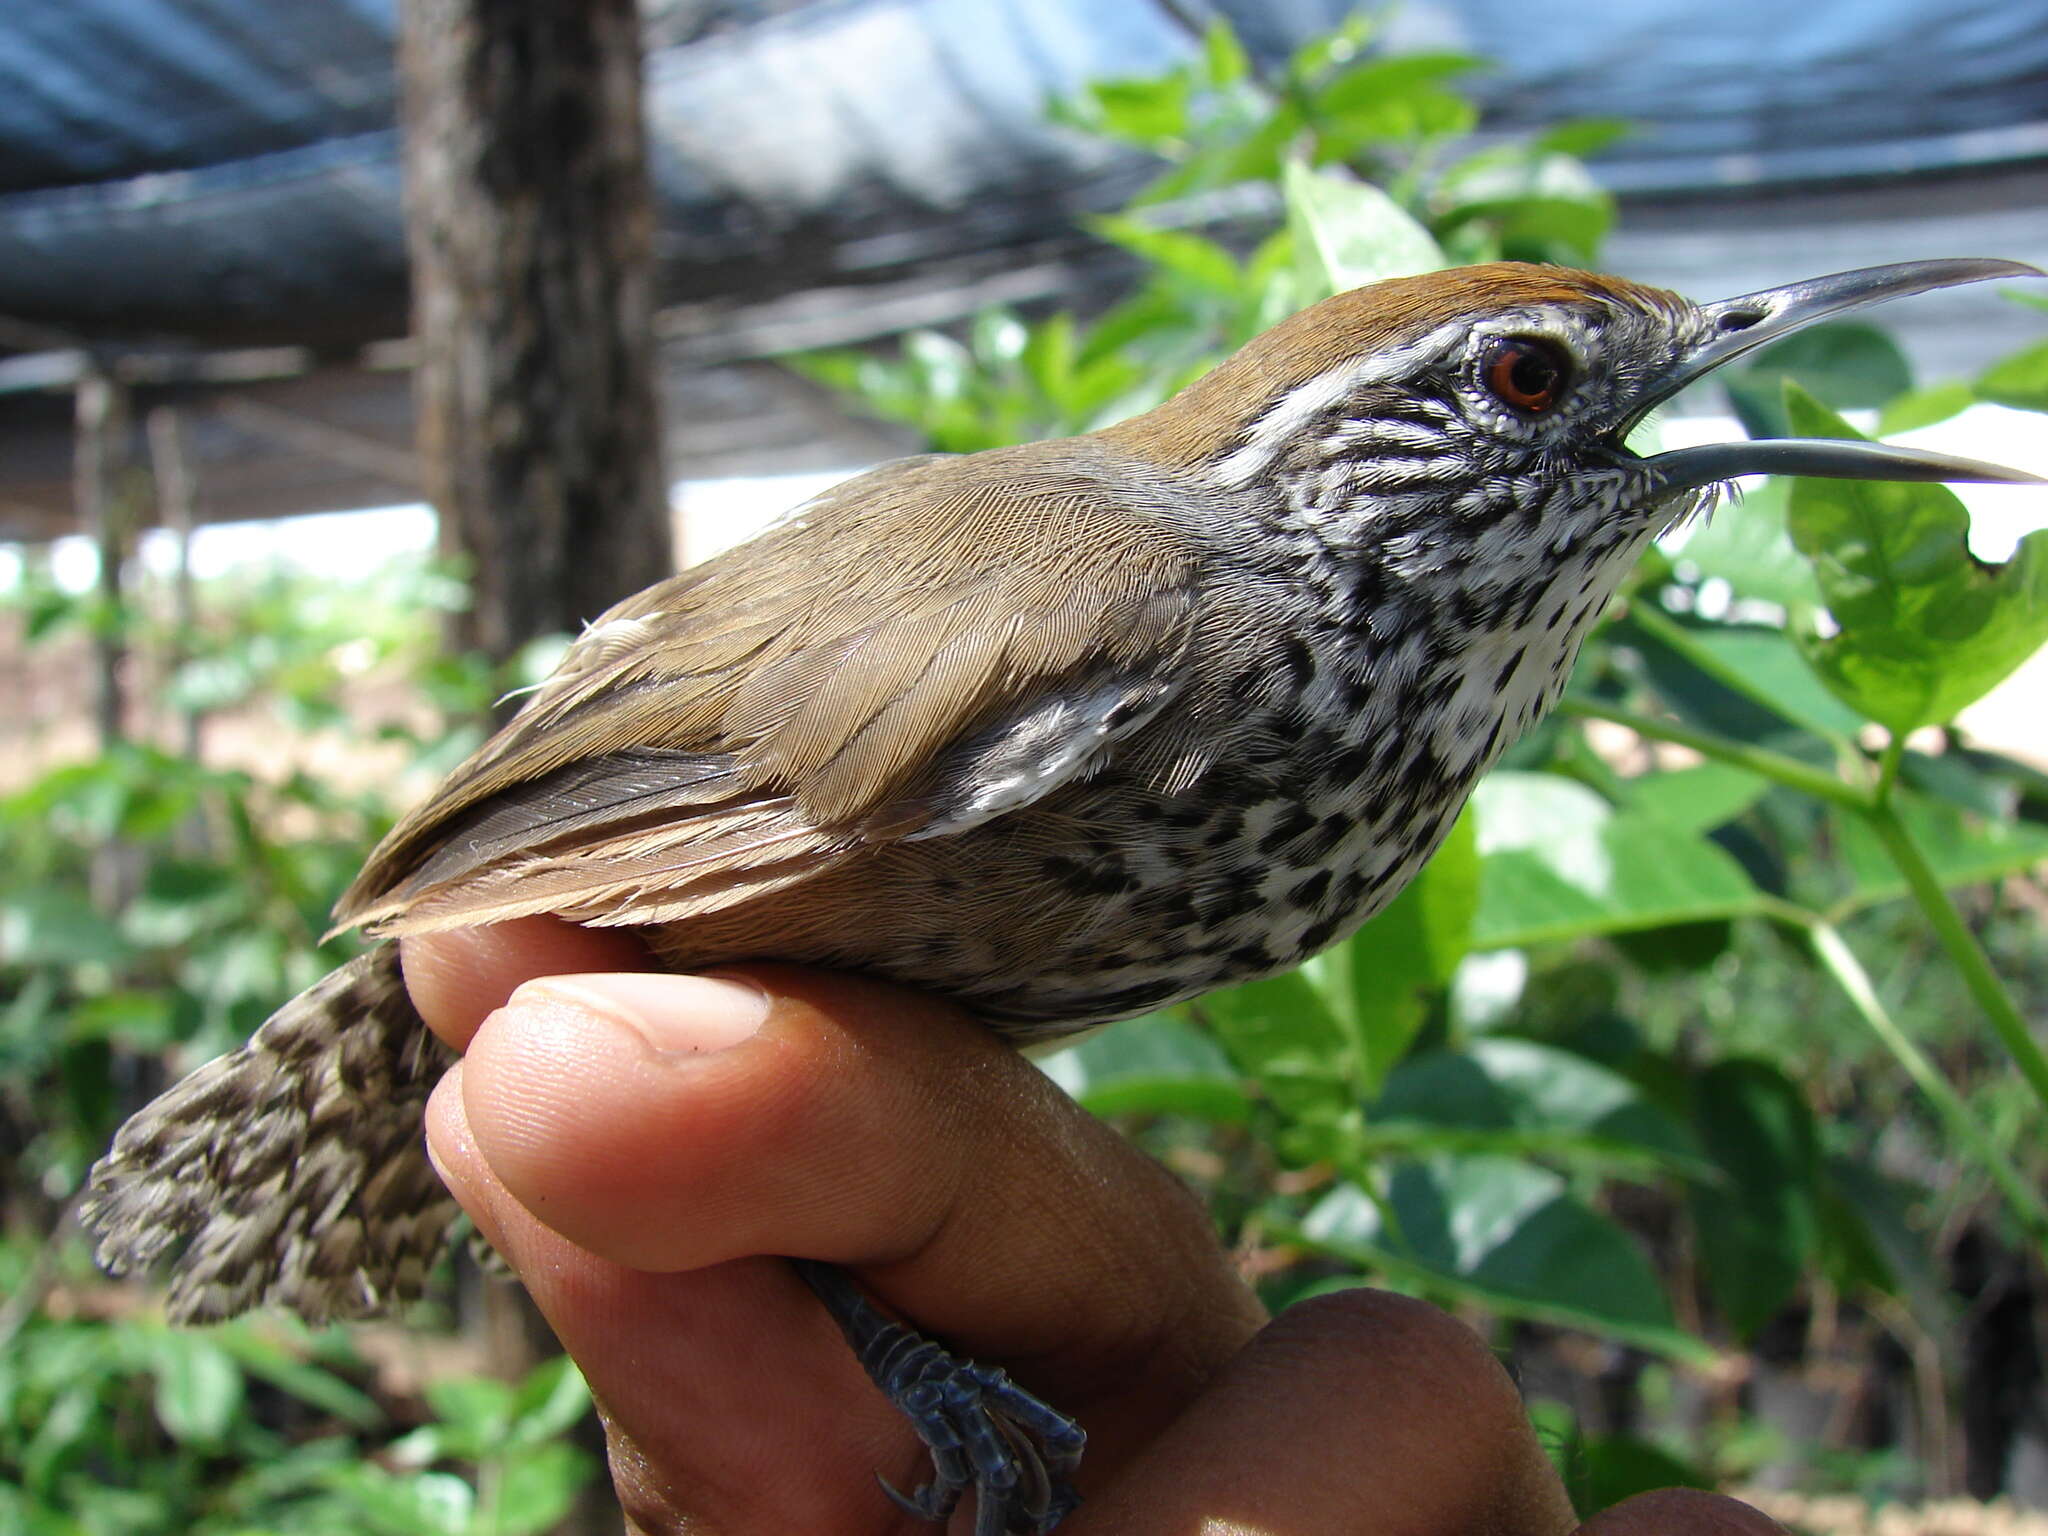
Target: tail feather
{"type": "Point", "coordinates": [292, 1172]}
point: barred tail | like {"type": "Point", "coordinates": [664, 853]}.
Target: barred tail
{"type": "Point", "coordinates": [292, 1172]}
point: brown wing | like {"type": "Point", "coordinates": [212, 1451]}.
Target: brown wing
{"type": "Point", "coordinates": [930, 644]}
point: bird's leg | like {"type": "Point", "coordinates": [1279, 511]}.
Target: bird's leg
{"type": "Point", "coordinates": [983, 1430]}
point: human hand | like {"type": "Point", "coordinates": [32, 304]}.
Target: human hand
{"type": "Point", "coordinates": [636, 1146]}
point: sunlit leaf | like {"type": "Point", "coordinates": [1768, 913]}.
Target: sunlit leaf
{"type": "Point", "coordinates": [2020, 381]}
{"type": "Point", "coordinates": [1507, 1235]}
{"type": "Point", "coordinates": [1223, 56]}
{"type": "Point", "coordinates": [1695, 799]}
{"type": "Point", "coordinates": [1154, 1065]}
{"type": "Point", "coordinates": [552, 1397]}
{"type": "Point", "coordinates": [1559, 862]}
{"type": "Point", "coordinates": [1924, 407]}
{"type": "Point", "coordinates": [1502, 1083]}
{"type": "Point", "coordinates": [1745, 543]}
{"type": "Point", "coordinates": [537, 1487]}
{"type": "Point", "coordinates": [1192, 258]}
{"type": "Point", "coordinates": [1582, 136]}
{"type": "Point", "coordinates": [1283, 1032]}
{"type": "Point", "coordinates": [1348, 233]}
{"type": "Point", "coordinates": [1380, 980]}
{"type": "Point", "coordinates": [1763, 668]}
{"type": "Point", "coordinates": [198, 1387]}
{"type": "Point", "coordinates": [475, 1411]}
{"type": "Point", "coordinates": [1925, 627]}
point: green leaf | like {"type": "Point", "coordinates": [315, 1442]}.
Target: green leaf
{"type": "Point", "coordinates": [1379, 981]}
{"type": "Point", "coordinates": [1695, 800]}
{"type": "Point", "coordinates": [260, 1357]}
{"type": "Point", "coordinates": [2020, 381]}
{"type": "Point", "coordinates": [1559, 862]}
{"type": "Point", "coordinates": [1348, 233]}
{"type": "Point", "coordinates": [1146, 112]}
{"type": "Point", "coordinates": [1745, 543]}
{"type": "Point", "coordinates": [1962, 849]}
{"type": "Point", "coordinates": [198, 1387]}
{"type": "Point", "coordinates": [1049, 353]}
{"type": "Point", "coordinates": [1849, 364]}
{"type": "Point", "coordinates": [1330, 49]}
{"type": "Point", "coordinates": [1508, 1236]}
{"type": "Point", "coordinates": [1379, 89]}
{"type": "Point", "coordinates": [414, 1504]}
{"type": "Point", "coordinates": [1582, 136]}
{"type": "Point", "coordinates": [552, 1398]}
{"type": "Point", "coordinates": [1924, 407]}
{"type": "Point", "coordinates": [1151, 1066]}
{"type": "Point", "coordinates": [537, 1487]}
{"type": "Point", "coordinates": [1283, 1032]}
{"type": "Point", "coordinates": [1561, 1103]}
{"type": "Point", "coordinates": [1535, 204]}
{"type": "Point", "coordinates": [475, 1413]}
{"type": "Point", "coordinates": [1757, 1229]}
{"type": "Point", "coordinates": [1773, 673]}
{"type": "Point", "coordinates": [1223, 56]}
{"type": "Point", "coordinates": [1202, 263]}
{"type": "Point", "coordinates": [1926, 628]}
{"type": "Point", "coordinates": [54, 925]}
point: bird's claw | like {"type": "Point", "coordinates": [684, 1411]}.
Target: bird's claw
{"type": "Point", "coordinates": [983, 1431]}
{"type": "Point", "coordinates": [986, 1433]}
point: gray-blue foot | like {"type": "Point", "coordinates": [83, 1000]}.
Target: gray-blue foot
{"type": "Point", "coordinates": [983, 1430]}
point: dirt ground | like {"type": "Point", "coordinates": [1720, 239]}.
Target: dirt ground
{"type": "Point", "coordinates": [1843, 1515]}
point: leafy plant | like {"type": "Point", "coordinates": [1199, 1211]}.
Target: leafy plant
{"type": "Point", "coordinates": [121, 1424]}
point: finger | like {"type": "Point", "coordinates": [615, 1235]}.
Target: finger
{"type": "Point", "coordinates": [1681, 1512]}
{"type": "Point", "coordinates": [872, 1127]}
{"type": "Point", "coordinates": [1359, 1411]}
{"type": "Point", "coordinates": [728, 1398]}
{"type": "Point", "coordinates": [457, 979]}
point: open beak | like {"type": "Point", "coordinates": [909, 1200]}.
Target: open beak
{"type": "Point", "coordinates": [1736, 326]}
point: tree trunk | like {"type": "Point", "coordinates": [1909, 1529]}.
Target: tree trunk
{"type": "Point", "coordinates": [530, 233]}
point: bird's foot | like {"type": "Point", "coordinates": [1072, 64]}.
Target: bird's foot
{"type": "Point", "coordinates": [983, 1430]}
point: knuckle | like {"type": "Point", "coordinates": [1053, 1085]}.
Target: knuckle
{"type": "Point", "coordinates": [1392, 1337]}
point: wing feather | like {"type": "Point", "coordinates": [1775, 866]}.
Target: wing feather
{"type": "Point", "coordinates": [931, 643]}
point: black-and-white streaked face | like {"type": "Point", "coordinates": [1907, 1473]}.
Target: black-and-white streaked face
{"type": "Point", "coordinates": [1522, 412]}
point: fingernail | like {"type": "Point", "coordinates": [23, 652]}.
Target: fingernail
{"type": "Point", "coordinates": [684, 1014]}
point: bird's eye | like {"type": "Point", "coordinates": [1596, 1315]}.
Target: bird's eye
{"type": "Point", "coordinates": [1526, 373]}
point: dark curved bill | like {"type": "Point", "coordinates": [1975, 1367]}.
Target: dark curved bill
{"type": "Point", "coordinates": [1824, 458]}
{"type": "Point", "coordinates": [1743, 324]}
{"type": "Point", "coordinates": [1740, 325]}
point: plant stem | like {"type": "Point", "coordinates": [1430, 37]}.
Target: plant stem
{"type": "Point", "coordinates": [1841, 963]}
{"type": "Point", "coordinates": [1775, 766]}
{"type": "Point", "coordinates": [1963, 949]}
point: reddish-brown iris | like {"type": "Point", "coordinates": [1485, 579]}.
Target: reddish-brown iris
{"type": "Point", "coordinates": [1526, 373]}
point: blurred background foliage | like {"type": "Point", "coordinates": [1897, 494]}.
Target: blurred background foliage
{"type": "Point", "coordinates": [1696, 1064]}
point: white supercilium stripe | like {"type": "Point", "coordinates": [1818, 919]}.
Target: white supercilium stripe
{"type": "Point", "coordinates": [1290, 415]}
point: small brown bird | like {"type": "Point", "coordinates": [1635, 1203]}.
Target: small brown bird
{"type": "Point", "coordinates": [1067, 732]}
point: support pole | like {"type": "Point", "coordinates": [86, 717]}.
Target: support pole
{"type": "Point", "coordinates": [101, 455]}
{"type": "Point", "coordinates": [176, 497]}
